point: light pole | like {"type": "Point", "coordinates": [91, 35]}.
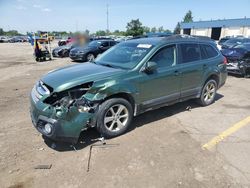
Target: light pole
{"type": "Point", "coordinates": [107, 18]}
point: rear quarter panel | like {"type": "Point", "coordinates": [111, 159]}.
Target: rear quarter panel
{"type": "Point", "coordinates": [216, 67]}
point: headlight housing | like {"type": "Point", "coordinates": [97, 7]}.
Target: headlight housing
{"type": "Point", "coordinates": [66, 97]}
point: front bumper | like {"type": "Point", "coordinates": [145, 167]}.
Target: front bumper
{"type": "Point", "coordinates": [77, 57]}
{"type": "Point", "coordinates": [65, 128]}
{"type": "Point", "coordinates": [55, 54]}
{"type": "Point", "coordinates": [241, 68]}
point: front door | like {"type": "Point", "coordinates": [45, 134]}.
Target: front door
{"type": "Point", "coordinates": [162, 85]}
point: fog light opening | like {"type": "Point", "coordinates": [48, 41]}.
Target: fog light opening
{"type": "Point", "coordinates": [48, 128]}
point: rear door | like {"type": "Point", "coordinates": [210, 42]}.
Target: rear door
{"type": "Point", "coordinates": [192, 68]}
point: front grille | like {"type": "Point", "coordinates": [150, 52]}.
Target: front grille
{"type": "Point", "coordinates": [72, 54]}
{"type": "Point", "coordinates": [40, 124]}
{"type": "Point", "coordinates": [35, 95]}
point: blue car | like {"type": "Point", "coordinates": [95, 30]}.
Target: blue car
{"type": "Point", "coordinates": [238, 58]}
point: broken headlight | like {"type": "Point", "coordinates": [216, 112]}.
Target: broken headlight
{"type": "Point", "coordinates": [67, 97]}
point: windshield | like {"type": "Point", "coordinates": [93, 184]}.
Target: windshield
{"type": "Point", "coordinates": [244, 46]}
{"type": "Point", "coordinates": [125, 55]}
{"type": "Point", "coordinates": [233, 41]}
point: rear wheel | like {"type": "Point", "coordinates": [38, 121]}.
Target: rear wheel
{"type": "Point", "coordinates": [208, 93]}
{"type": "Point", "coordinates": [114, 117]}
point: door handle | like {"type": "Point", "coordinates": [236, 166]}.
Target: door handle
{"type": "Point", "coordinates": [204, 66]}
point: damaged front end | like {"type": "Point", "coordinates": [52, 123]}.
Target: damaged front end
{"type": "Point", "coordinates": [239, 66]}
{"type": "Point", "coordinates": [62, 115]}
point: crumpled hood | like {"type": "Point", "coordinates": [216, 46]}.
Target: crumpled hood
{"type": "Point", "coordinates": [70, 76]}
{"type": "Point", "coordinates": [233, 53]}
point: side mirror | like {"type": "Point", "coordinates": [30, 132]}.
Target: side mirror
{"type": "Point", "coordinates": [150, 67]}
{"type": "Point", "coordinates": [101, 46]}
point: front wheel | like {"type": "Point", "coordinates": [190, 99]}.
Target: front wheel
{"type": "Point", "coordinates": [208, 93]}
{"type": "Point", "coordinates": [114, 117]}
{"type": "Point", "coordinates": [90, 57]}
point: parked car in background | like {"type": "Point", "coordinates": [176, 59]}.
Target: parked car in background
{"type": "Point", "coordinates": [91, 50]}
{"type": "Point", "coordinates": [131, 78]}
{"type": "Point", "coordinates": [238, 58]}
{"type": "Point", "coordinates": [4, 39]}
{"type": "Point", "coordinates": [159, 34]}
{"type": "Point", "coordinates": [18, 39]}
{"type": "Point", "coordinates": [63, 42]}
{"type": "Point", "coordinates": [234, 41]}
{"type": "Point", "coordinates": [63, 51]}
{"type": "Point", "coordinates": [223, 40]}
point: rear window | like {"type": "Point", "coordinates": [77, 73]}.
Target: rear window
{"type": "Point", "coordinates": [190, 52]}
{"type": "Point", "coordinates": [207, 51]}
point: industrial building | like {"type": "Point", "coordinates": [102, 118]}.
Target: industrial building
{"type": "Point", "coordinates": [217, 29]}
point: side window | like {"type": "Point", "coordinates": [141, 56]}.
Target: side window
{"type": "Point", "coordinates": [112, 43]}
{"type": "Point", "coordinates": [165, 57]}
{"type": "Point", "coordinates": [105, 44]}
{"type": "Point", "coordinates": [207, 51]}
{"type": "Point", "coordinates": [190, 52]}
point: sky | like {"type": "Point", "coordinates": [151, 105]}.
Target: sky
{"type": "Point", "coordinates": [79, 15]}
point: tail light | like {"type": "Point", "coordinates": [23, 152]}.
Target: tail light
{"type": "Point", "coordinates": [225, 61]}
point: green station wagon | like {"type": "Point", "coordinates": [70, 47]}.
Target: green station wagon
{"type": "Point", "coordinates": [130, 78]}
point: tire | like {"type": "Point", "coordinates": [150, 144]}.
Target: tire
{"type": "Point", "coordinates": [116, 123]}
{"type": "Point", "coordinates": [65, 53]}
{"type": "Point", "coordinates": [90, 57]}
{"type": "Point", "coordinates": [208, 93]}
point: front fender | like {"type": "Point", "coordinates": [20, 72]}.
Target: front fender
{"type": "Point", "coordinates": [99, 92]}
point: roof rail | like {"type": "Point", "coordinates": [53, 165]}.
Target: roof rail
{"type": "Point", "coordinates": [184, 36]}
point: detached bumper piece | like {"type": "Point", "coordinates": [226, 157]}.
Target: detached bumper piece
{"type": "Point", "coordinates": [77, 57]}
{"type": "Point", "coordinates": [52, 129]}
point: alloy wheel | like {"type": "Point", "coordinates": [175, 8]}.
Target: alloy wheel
{"type": "Point", "coordinates": [209, 92]}
{"type": "Point", "coordinates": [116, 117]}
{"type": "Point", "coordinates": [90, 57]}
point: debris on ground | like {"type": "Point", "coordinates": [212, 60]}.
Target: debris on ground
{"type": "Point", "coordinates": [103, 144]}
{"type": "Point", "coordinates": [43, 166]}
{"type": "Point", "coordinates": [188, 108]}
{"type": "Point", "coordinates": [72, 146]}
{"type": "Point", "coordinates": [53, 146]}
{"type": "Point", "coordinates": [101, 139]}
{"type": "Point", "coordinates": [11, 171]}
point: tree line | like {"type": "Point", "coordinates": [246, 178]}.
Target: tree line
{"type": "Point", "coordinates": [9, 33]}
